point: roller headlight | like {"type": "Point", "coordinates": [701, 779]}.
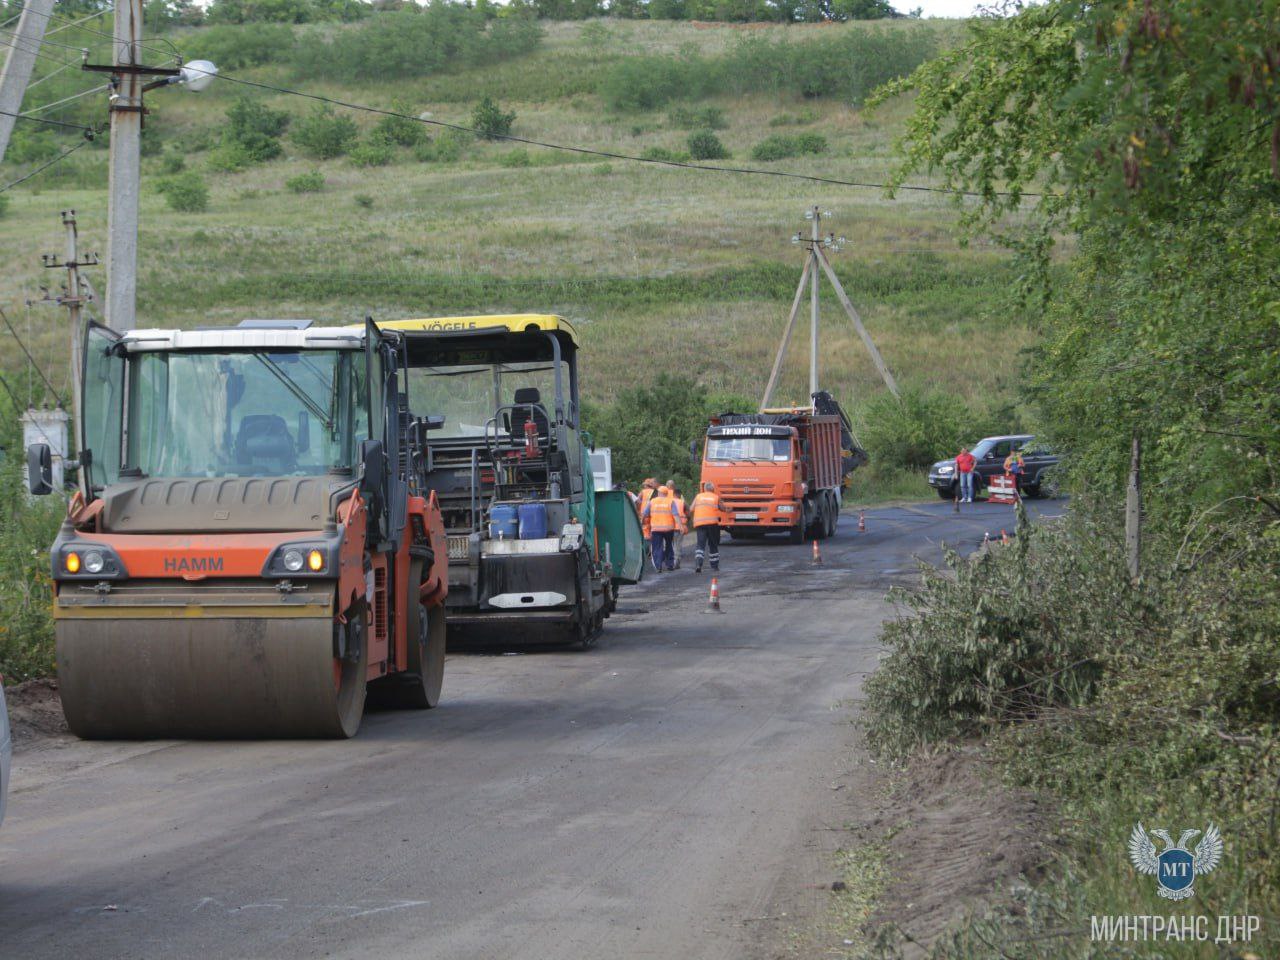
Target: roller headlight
{"type": "Point", "coordinates": [74, 559]}
{"type": "Point", "coordinates": [305, 558]}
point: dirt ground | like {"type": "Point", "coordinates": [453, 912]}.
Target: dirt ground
{"type": "Point", "coordinates": [35, 713]}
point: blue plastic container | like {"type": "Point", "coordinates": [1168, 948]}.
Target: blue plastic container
{"type": "Point", "coordinates": [533, 521]}
{"type": "Point", "coordinates": [503, 522]}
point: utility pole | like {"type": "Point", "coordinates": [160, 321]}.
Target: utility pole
{"type": "Point", "coordinates": [19, 63]}
{"type": "Point", "coordinates": [816, 263]}
{"type": "Point", "coordinates": [73, 299]}
{"type": "Point", "coordinates": [125, 166]}
{"type": "Point", "coordinates": [816, 216]}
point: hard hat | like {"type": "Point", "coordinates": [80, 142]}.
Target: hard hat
{"type": "Point", "coordinates": [664, 492]}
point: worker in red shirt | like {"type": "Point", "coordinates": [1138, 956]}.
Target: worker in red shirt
{"type": "Point", "coordinates": [965, 462]}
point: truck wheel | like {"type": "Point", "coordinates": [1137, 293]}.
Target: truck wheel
{"type": "Point", "coordinates": [835, 513]}
{"type": "Point", "coordinates": [796, 533]}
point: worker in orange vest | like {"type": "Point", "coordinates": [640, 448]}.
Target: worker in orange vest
{"type": "Point", "coordinates": [708, 514]}
{"type": "Point", "coordinates": [647, 490]}
{"type": "Point", "coordinates": [682, 521]}
{"type": "Point", "coordinates": [660, 512]}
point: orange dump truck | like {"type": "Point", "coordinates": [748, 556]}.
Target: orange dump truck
{"type": "Point", "coordinates": [781, 470]}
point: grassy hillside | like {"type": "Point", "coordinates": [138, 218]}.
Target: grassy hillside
{"type": "Point", "coordinates": [662, 268]}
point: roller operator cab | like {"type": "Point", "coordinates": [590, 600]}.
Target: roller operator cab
{"type": "Point", "coordinates": [252, 545]}
{"type": "Point", "coordinates": [536, 553]}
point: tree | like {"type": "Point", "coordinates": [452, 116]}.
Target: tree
{"type": "Point", "coordinates": [324, 134]}
{"type": "Point", "coordinates": [1152, 132]}
{"type": "Point", "coordinates": [489, 120]}
{"type": "Point", "coordinates": [256, 128]}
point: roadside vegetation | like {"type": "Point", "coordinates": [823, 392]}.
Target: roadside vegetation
{"type": "Point", "coordinates": [1119, 701]}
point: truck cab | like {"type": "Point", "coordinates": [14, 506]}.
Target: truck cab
{"type": "Point", "coordinates": [757, 470]}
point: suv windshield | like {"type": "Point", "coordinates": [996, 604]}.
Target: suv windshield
{"type": "Point", "coordinates": [772, 449]}
{"type": "Point", "coordinates": [244, 413]}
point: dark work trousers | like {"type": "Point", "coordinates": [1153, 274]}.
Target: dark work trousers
{"type": "Point", "coordinates": [708, 546]}
{"type": "Point", "coordinates": [663, 552]}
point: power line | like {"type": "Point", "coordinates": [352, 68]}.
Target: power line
{"type": "Point", "coordinates": [27, 114]}
{"type": "Point", "coordinates": [52, 73]}
{"type": "Point", "coordinates": [87, 131]}
{"type": "Point", "coordinates": [13, 42]}
{"type": "Point", "coordinates": [31, 360]}
{"type": "Point", "coordinates": [44, 166]}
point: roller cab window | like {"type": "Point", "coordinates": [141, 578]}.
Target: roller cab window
{"type": "Point", "coordinates": [245, 413]}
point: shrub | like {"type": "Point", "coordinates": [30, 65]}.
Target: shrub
{"type": "Point", "coordinates": [372, 153]}
{"type": "Point", "coordinates": [515, 158]}
{"type": "Point", "coordinates": [185, 192]}
{"type": "Point", "coordinates": [236, 47]}
{"type": "Point", "coordinates": [705, 145]}
{"type": "Point", "coordinates": [775, 147]}
{"type": "Point", "coordinates": [780, 146]}
{"type": "Point", "coordinates": [1003, 636]}
{"type": "Point", "coordinates": [256, 128]}
{"type": "Point", "coordinates": [811, 143]}
{"type": "Point", "coordinates": [489, 120]}
{"type": "Point", "coordinates": [4, 204]}
{"type": "Point", "coordinates": [228, 157]}
{"type": "Point", "coordinates": [662, 153]}
{"type": "Point", "coordinates": [399, 131]}
{"type": "Point", "coordinates": [310, 182]}
{"type": "Point", "coordinates": [446, 148]}
{"type": "Point", "coordinates": [325, 134]}
{"type": "Point", "coordinates": [414, 42]}
{"type": "Point", "coordinates": [645, 83]}
{"type": "Point", "coordinates": [847, 66]}
{"type": "Point", "coordinates": [708, 118]}
{"type": "Point", "coordinates": [919, 428]}
{"type": "Point", "coordinates": [364, 201]}
{"type": "Point", "coordinates": [173, 163]}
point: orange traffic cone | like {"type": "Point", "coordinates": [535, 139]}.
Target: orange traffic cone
{"type": "Point", "coordinates": [713, 602]}
{"type": "Point", "coordinates": [862, 521]}
{"type": "Point", "coordinates": [817, 554]}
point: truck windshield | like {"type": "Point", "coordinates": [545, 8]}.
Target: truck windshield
{"type": "Point", "coordinates": [772, 449]}
{"type": "Point", "coordinates": [244, 413]}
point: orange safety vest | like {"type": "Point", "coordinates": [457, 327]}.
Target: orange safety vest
{"type": "Point", "coordinates": [661, 514]}
{"type": "Point", "coordinates": [642, 501]}
{"type": "Point", "coordinates": [682, 514]}
{"type": "Point", "coordinates": [707, 509]}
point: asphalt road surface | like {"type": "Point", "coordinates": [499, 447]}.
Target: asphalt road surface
{"type": "Point", "coordinates": [649, 798]}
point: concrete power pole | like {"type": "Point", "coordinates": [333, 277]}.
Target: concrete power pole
{"type": "Point", "coordinates": [19, 63]}
{"type": "Point", "coordinates": [816, 264]}
{"type": "Point", "coordinates": [816, 214]}
{"type": "Point", "coordinates": [73, 299]}
{"type": "Point", "coordinates": [128, 78]}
